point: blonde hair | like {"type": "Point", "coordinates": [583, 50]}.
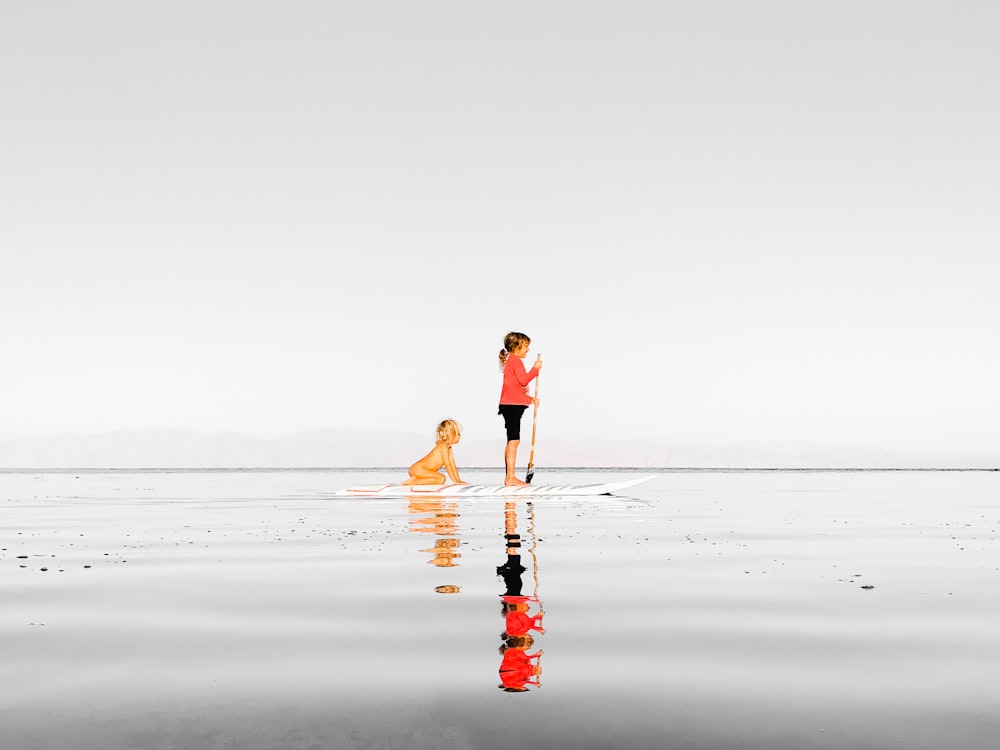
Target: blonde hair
{"type": "Point", "coordinates": [449, 431]}
{"type": "Point", "coordinates": [511, 343]}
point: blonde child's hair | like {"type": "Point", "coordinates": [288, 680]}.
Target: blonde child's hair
{"type": "Point", "coordinates": [449, 431]}
{"type": "Point", "coordinates": [511, 342]}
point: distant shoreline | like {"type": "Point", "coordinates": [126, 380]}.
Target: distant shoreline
{"type": "Point", "coordinates": [340, 449]}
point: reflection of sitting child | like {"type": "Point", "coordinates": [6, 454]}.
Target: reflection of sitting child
{"type": "Point", "coordinates": [428, 469]}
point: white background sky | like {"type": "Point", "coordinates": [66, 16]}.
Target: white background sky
{"type": "Point", "coordinates": [718, 221]}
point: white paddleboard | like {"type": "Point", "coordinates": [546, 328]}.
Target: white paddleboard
{"type": "Point", "coordinates": [488, 490]}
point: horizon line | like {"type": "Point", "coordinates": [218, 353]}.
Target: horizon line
{"type": "Point", "coordinates": [403, 469]}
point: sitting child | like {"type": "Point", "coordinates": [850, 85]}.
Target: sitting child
{"type": "Point", "coordinates": [428, 469]}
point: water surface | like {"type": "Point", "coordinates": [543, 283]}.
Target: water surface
{"type": "Point", "coordinates": [705, 610]}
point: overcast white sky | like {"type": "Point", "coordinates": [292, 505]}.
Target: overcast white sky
{"type": "Point", "coordinates": [718, 221]}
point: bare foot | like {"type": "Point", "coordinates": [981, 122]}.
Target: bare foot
{"type": "Point", "coordinates": [514, 482]}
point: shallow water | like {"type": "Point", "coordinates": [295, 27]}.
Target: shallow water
{"type": "Point", "coordinates": [706, 610]}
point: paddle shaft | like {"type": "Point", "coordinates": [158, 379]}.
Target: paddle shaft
{"type": "Point", "coordinates": [534, 427]}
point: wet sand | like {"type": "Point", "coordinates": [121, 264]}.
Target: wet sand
{"type": "Point", "coordinates": [708, 610]}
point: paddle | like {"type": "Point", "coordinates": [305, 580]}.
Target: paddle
{"type": "Point", "coordinates": [534, 425]}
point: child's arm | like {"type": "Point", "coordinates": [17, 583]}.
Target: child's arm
{"type": "Point", "coordinates": [522, 376]}
{"type": "Point", "coordinates": [451, 468]}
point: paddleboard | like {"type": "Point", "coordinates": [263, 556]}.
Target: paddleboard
{"type": "Point", "coordinates": [489, 490]}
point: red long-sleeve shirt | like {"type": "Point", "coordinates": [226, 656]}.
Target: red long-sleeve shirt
{"type": "Point", "coordinates": [515, 382]}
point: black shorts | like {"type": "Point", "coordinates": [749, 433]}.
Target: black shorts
{"type": "Point", "coordinates": [512, 414]}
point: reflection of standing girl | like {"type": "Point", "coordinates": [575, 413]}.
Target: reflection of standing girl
{"type": "Point", "coordinates": [514, 398]}
{"type": "Point", "coordinates": [518, 619]}
{"type": "Point", "coordinates": [517, 666]}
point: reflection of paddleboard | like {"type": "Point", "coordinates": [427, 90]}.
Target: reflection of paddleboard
{"type": "Point", "coordinates": [488, 490]}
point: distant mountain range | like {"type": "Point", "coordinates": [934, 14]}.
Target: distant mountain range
{"type": "Point", "coordinates": [171, 448]}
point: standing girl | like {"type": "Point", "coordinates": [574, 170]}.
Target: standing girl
{"type": "Point", "coordinates": [514, 398]}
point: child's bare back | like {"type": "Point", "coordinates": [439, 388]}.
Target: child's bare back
{"type": "Point", "coordinates": [428, 469]}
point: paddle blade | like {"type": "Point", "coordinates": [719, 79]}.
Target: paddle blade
{"type": "Point", "coordinates": [529, 475]}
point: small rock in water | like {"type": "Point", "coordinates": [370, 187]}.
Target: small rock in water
{"type": "Point", "coordinates": [867, 586]}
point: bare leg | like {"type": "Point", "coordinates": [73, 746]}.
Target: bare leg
{"type": "Point", "coordinates": [420, 474]}
{"type": "Point", "coordinates": [434, 478]}
{"type": "Point", "coordinates": [509, 459]}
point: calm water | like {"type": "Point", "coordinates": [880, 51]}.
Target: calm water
{"type": "Point", "coordinates": [707, 610]}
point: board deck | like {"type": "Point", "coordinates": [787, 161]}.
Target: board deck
{"type": "Point", "coordinates": [490, 490]}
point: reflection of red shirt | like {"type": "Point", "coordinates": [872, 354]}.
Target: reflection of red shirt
{"type": "Point", "coordinates": [519, 623]}
{"type": "Point", "coordinates": [517, 598]}
{"type": "Point", "coordinates": [515, 669]}
{"type": "Point", "coordinates": [515, 382]}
